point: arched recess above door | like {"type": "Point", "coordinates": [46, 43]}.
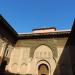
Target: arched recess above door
{"type": "Point", "coordinates": [43, 51]}
{"type": "Point", "coordinates": [42, 47]}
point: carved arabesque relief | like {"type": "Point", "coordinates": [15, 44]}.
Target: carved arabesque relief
{"type": "Point", "coordinates": [43, 52]}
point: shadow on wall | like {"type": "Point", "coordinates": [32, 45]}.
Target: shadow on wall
{"type": "Point", "coordinates": [2, 69]}
{"type": "Point", "coordinates": [66, 63]}
{"type": "Point", "coordinates": [9, 73]}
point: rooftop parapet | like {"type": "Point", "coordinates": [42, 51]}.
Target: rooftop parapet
{"type": "Point", "coordinates": [44, 30]}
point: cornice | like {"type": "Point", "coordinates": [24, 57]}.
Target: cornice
{"type": "Point", "coordinates": [44, 35]}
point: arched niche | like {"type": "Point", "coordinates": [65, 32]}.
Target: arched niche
{"type": "Point", "coordinates": [14, 67]}
{"type": "Point", "coordinates": [23, 68]}
{"type": "Point", "coordinates": [43, 51]}
{"type": "Point", "coordinates": [52, 46]}
{"type": "Point", "coordinates": [46, 50]}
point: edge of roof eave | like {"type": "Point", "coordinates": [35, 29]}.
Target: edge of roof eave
{"type": "Point", "coordinates": [8, 25]}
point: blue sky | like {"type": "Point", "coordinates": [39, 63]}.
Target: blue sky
{"type": "Point", "coordinates": [24, 15]}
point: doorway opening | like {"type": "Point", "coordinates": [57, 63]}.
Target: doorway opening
{"type": "Point", "coordinates": [43, 69]}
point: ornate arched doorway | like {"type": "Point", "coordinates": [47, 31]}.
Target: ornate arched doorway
{"type": "Point", "coordinates": [43, 69]}
{"type": "Point", "coordinates": [43, 58]}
